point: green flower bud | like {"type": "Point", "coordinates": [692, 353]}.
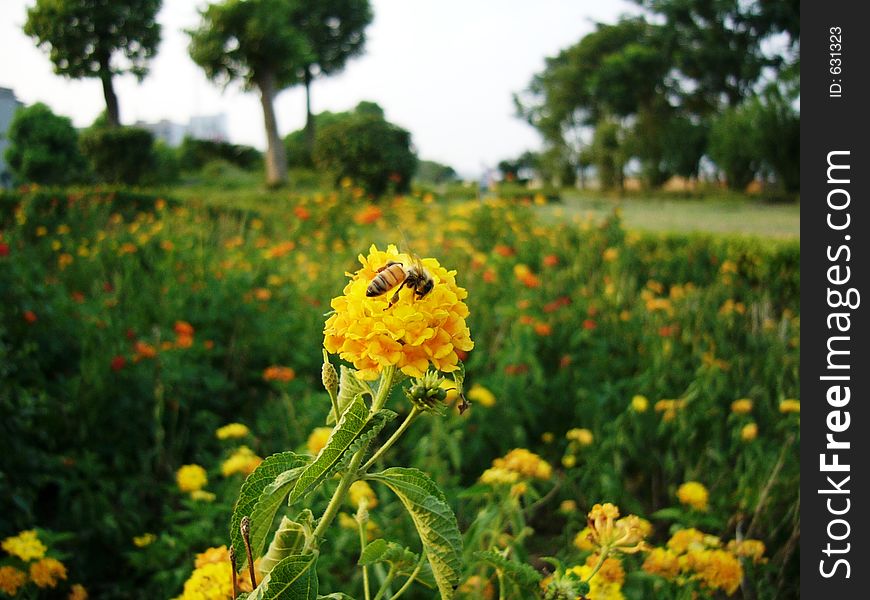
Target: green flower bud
{"type": "Point", "coordinates": [426, 392]}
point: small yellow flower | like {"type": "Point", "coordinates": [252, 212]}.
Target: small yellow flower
{"type": "Point", "coordinates": [146, 539]}
{"type": "Point", "coordinates": [693, 494]}
{"type": "Point", "coordinates": [609, 532]}
{"type": "Point", "coordinates": [210, 581]}
{"type": "Point", "coordinates": [599, 588]}
{"type": "Point", "coordinates": [568, 506]}
{"type": "Point", "coordinates": [361, 491]}
{"type": "Point", "coordinates": [583, 437]}
{"type": "Point", "coordinates": [317, 440]}
{"type": "Point", "coordinates": [499, 476]}
{"type": "Point", "coordinates": [569, 461]}
{"type": "Point", "coordinates": [78, 592]}
{"type": "Point", "coordinates": [749, 432]}
{"type": "Point", "coordinates": [232, 431]}
{"type": "Point", "coordinates": [46, 572]}
{"type": "Point", "coordinates": [610, 254]}
{"type": "Point", "coordinates": [191, 478]}
{"type": "Point", "coordinates": [548, 437]}
{"type": "Point", "coordinates": [25, 545]}
{"type": "Point", "coordinates": [11, 579]}
{"type": "Point", "coordinates": [684, 539]}
{"type": "Point", "coordinates": [482, 396]}
{"type": "Point", "coordinates": [639, 403]}
{"type": "Point", "coordinates": [214, 555]}
{"type": "Point", "coordinates": [242, 460]}
{"type": "Point", "coordinates": [412, 334]}
{"type": "Point", "coordinates": [202, 496]}
{"type": "Point", "coordinates": [611, 570]}
{"type": "Point", "coordinates": [748, 548]}
{"type": "Point", "coordinates": [525, 463]}
{"type": "Point", "coordinates": [790, 406]}
{"type": "Point", "coordinates": [742, 406]}
{"type": "Point", "coordinates": [662, 562]}
{"type": "Point", "coordinates": [582, 540]}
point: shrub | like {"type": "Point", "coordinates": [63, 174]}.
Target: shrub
{"type": "Point", "coordinates": [44, 147]}
{"type": "Point", "coordinates": [734, 144]}
{"type": "Point", "coordinates": [195, 154]}
{"type": "Point", "coordinates": [120, 154]}
{"type": "Point", "coordinates": [371, 151]}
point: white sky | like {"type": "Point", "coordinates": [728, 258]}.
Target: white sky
{"type": "Point", "coordinates": [443, 69]}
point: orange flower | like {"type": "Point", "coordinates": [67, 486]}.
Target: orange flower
{"type": "Point", "coordinates": [278, 373]}
{"type": "Point", "coordinates": [368, 215]}
{"type": "Point", "coordinates": [551, 260]}
{"type": "Point", "coordinates": [144, 350]}
{"type": "Point", "coordinates": [30, 316]}
{"type": "Point", "coordinates": [503, 250]}
{"type": "Point", "coordinates": [183, 328]}
{"type": "Point", "coordinates": [302, 213]}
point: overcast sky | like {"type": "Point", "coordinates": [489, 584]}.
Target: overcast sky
{"type": "Point", "coordinates": [443, 69]}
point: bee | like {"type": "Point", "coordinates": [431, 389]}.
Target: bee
{"type": "Point", "coordinates": [393, 274]}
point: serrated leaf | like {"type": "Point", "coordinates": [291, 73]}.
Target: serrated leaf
{"type": "Point", "coordinates": [435, 522]}
{"type": "Point", "coordinates": [349, 387]}
{"type": "Point", "coordinates": [376, 423]}
{"type": "Point", "coordinates": [352, 423]}
{"type": "Point", "coordinates": [292, 537]}
{"type": "Point", "coordinates": [522, 574]}
{"type": "Point", "coordinates": [294, 578]}
{"type": "Point", "coordinates": [382, 550]}
{"type": "Point", "coordinates": [283, 467]}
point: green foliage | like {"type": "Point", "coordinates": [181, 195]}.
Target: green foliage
{"type": "Point", "coordinates": [429, 171]}
{"type": "Point", "coordinates": [350, 426]}
{"type": "Point", "coordinates": [520, 573]}
{"type": "Point", "coordinates": [194, 154]}
{"type": "Point", "coordinates": [294, 578]}
{"type": "Point", "coordinates": [263, 492]}
{"type": "Point", "coordinates": [120, 155]}
{"type": "Point", "coordinates": [434, 519]}
{"type": "Point", "coordinates": [83, 37]}
{"type": "Point", "coordinates": [43, 147]}
{"type": "Point", "coordinates": [292, 537]}
{"type": "Point", "coordinates": [734, 144]}
{"type": "Point", "coordinates": [369, 150]}
{"type": "Point", "coordinates": [298, 153]}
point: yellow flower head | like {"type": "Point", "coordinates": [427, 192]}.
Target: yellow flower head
{"type": "Point", "coordinates": [242, 460]}
{"type": "Point", "coordinates": [481, 396]}
{"type": "Point", "coordinates": [639, 403]}
{"type": "Point", "coordinates": [717, 569]}
{"type": "Point", "coordinates": [202, 496]}
{"type": "Point", "coordinates": [582, 540]}
{"type": "Point", "coordinates": [78, 592]}
{"type": "Point", "coordinates": [232, 431]}
{"type": "Point", "coordinates": [47, 572]}
{"type": "Point", "coordinates": [749, 432]}
{"type": "Point", "coordinates": [748, 548]}
{"type": "Point", "coordinates": [599, 588]}
{"type": "Point", "coordinates": [662, 562]}
{"type": "Point", "coordinates": [693, 494]}
{"type": "Point", "coordinates": [499, 476]}
{"type": "Point", "coordinates": [317, 440]}
{"type": "Point", "coordinates": [218, 554]}
{"type": "Point", "coordinates": [210, 581]}
{"type": "Point", "coordinates": [525, 463]}
{"type": "Point", "coordinates": [742, 406]}
{"type": "Point", "coordinates": [146, 539]}
{"type": "Point", "coordinates": [684, 539]}
{"type": "Point", "coordinates": [790, 406]}
{"type": "Point", "coordinates": [11, 579]}
{"type": "Point", "coordinates": [361, 491]}
{"type": "Point", "coordinates": [412, 334]}
{"type": "Point", "coordinates": [583, 437]}
{"type": "Point", "coordinates": [191, 478]}
{"type": "Point", "coordinates": [607, 530]}
{"type": "Point", "coordinates": [611, 570]}
{"type": "Point", "coordinates": [25, 545]}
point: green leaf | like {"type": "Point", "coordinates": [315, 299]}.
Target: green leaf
{"type": "Point", "coordinates": [376, 423]}
{"type": "Point", "coordinates": [259, 499]}
{"type": "Point", "coordinates": [435, 522]}
{"type": "Point", "coordinates": [381, 550]}
{"type": "Point", "coordinates": [352, 423]}
{"type": "Point", "coordinates": [668, 514]}
{"type": "Point", "coordinates": [349, 387]}
{"type": "Point", "coordinates": [522, 574]}
{"type": "Point", "coordinates": [335, 596]}
{"type": "Point", "coordinates": [294, 578]}
{"type": "Point", "coordinates": [292, 537]}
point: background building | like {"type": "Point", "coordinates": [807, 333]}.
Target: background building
{"type": "Point", "coordinates": [8, 105]}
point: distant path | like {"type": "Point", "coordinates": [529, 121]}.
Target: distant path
{"type": "Point", "coordinates": [715, 215]}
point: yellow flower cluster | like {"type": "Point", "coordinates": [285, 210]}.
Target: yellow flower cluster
{"type": "Point", "coordinates": [361, 491]}
{"type": "Point", "coordinates": [481, 396]}
{"type": "Point", "coordinates": [525, 464]}
{"type": "Point", "coordinates": [242, 460]}
{"type": "Point", "coordinates": [608, 532]}
{"type": "Point", "coordinates": [146, 539]}
{"type": "Point", "coordinates": [232, 431]}
{"type": "Point", "coordinates": [498, 476]}
{"type": "Point", "coordinates": [212, 577]}
{"type": "Point", "coordinates": [11, 579]}
{"type": "Point", "coordinates": [669, 408]}
{"type": "Point", "coordinates": [700, 557]}
{"type": "Point", "coordinates": [693, 494]}
{"type": "Point", "coordinates": [743, 406]}
{"type": "Point", "coordinates": [412, 334]}
{"type": "Point", "coordinates": [600, 587]}
{"type": "Point", "coordinates": [790, 406]}
{"type": "Point", "coordinates": [583, 437]}
{"type": "Point", "coordinates": [191, 478]}
{"type": "Point", "coordinates": [639, 403]}
{"type": "Point", "coordinates": [25, 545]}
{"type": "Point", "coordinates": [45, 573]}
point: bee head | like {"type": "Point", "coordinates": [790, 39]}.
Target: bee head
{"type": "Point", "coordinates": [427, 286]}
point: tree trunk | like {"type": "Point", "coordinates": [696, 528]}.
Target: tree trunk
{"type": "Point", "coordinates": [309, 118]}
{"type": "Point", "coordinates": [276, 156]}
{"type": "Point", "coordinates": [109, 93]}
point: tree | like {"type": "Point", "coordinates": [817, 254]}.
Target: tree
{"type": "Point", "coordinates": [335, 32]}
{"type": "Point", "coordinates": [44, 147]}
{"type": "Point", "coordinates": [430, 171]}
{"type": "Point", "coordinates": [368, 149]}
{"type": "Point", "coordinates": [257, 43]}
{"type": "Point", "coordinates": [85, 36]}
{"type": "Point", "coordinates": [734, 143]}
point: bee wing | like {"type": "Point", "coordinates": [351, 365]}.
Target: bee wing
{"type": "Point", "coordinates": [406, 247]}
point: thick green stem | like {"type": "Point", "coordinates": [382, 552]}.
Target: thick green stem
{"type": "Point", "coordinates": [352, 473]}
{"type": "Point", "coordinates": [415, 412]}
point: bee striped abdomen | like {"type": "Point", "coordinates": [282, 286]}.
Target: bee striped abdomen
{"type": "Point", "coordinates": [387, 279]}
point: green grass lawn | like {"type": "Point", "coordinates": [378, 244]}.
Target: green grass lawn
{"type": "Point", "coordinates": [728, 214]}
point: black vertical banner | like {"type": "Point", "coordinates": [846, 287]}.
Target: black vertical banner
{"type": "Point", "coordinates": [835, 363]}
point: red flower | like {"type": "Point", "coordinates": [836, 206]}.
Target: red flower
{"type": "Point", "coordinates": [589, 324]}
{"type": "Point", "coordinates": [30, 316]}
{"type": "Point", "coordinates": [551, 260]}
{"type": "Point", "coordinates": [4, 249]}
{"type": "Point", "coordinates": [118, 363]}
{"type": "Point", "coordinates": [302, 213]}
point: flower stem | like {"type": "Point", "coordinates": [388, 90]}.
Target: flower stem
{"type": "Point", "coordinates": [411, 578]}
{"type": "Point", "coordinates": [352, 472]}
{"type": "Point", "coordinates": [415, 412]}
{"type": "Point", "coordinates": [365, 570]}
{"type": "Point", "coordinates": [604, 552]}
{"type": "Point", "coordinates": [387, 581]}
